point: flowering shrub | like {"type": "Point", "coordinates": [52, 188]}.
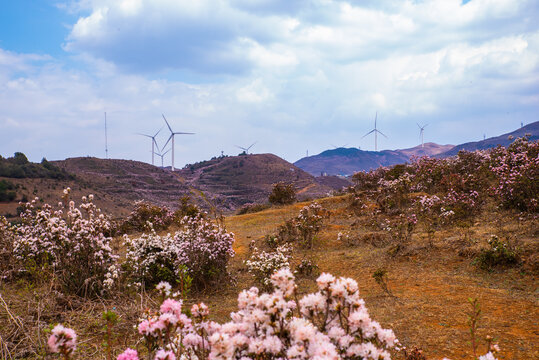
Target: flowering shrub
{"type": "Point", "coordinates": [304, 227]}
{"type": "Point", "coordinates": [393, 194]}
{"type": "Point", "coordinates": [63, 341]}
{"type": "Point", "coordinates": [517, 170]}
{"type": "Point", "coordinates": [307, 268]}
{"type": "Point", "coordinates": [151, 258]}
{"type": "Point", "coordinates": [205, 248]}
{"type": "Point", "coordinates": [201, 246]}
{"type": "Point", "coordinates": [72, 245]}
{"type": "Point", "coordinates": [145, 216]}
{"type": "Point", "coordinates": [264, 264]}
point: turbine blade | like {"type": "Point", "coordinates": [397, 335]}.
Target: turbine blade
{"type": "Point", "coordinates": [379, 132]}
{"type": "Point", "coordinates": [144, 135]}
{"type": "Point", "coordinates": [183, 133]}
{"type": "Point", "coordinates": [158, 132]}
{"type": "Point", "coordinates": [170, 137]}
{"type": "Point", "coordinates": [167, 123]}
{"type": "Point", "coordinates": [370, 132]}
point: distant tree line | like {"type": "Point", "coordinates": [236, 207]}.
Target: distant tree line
{"type": "Point", "coordinates": [19, 167]}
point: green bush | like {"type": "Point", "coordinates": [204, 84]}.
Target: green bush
{"type": "Point", "coordinates": [498, 254]}
{"type": "Point", "coordinates": [7, 192]}
{"type": "Point", "coordinates": [282, 194]}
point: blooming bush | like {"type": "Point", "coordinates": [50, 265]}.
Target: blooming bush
{"type": "Point", "coordinates": [201, 246]}
{"type": "Point", "coordinates": [71, 245]}
{"type": "Point", "coordinates": [263, 264]}
{"type": "Point", "coordinates": [304, 227]}
{"type": "Point", "coordinates": [517, 170]}
{"type": "Point", "coordinates": [204, 248]}
{"type": "Point", "coordinates": [151, 258]}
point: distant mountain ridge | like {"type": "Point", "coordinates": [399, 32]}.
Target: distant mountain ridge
{"type": "Point", "coordinates": [503, 140]}
{"type": "Point", "coordinates": [347, 161]}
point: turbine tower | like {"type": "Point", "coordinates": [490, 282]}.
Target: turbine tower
{"type": "Point", "coordinates": [246, 149]}
{"type": "Point", "coordinates": [106, 139]}
{"type": "Point", "coordinates": [162, 157]}
{"type": "Point", "coordinates": [172, 133]}
{"type": "Point", "coordinates": [376, 132]}
{"type": "Point", "coordinates": [421, 131]}
{"type": "Point", "coordinates": [154, 143]}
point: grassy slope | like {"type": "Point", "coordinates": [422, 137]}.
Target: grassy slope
{"type": "Point", "coordinates": [432, 284]}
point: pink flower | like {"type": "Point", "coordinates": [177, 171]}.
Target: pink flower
{"type": "Point", "coordinates": [128, 354]}
{"type": "Point", "coordinates": [62, 340]}
{"type": "Point", "coordinates": [171, 306]}
{"type": "Point", "coordinates": [164, 355]}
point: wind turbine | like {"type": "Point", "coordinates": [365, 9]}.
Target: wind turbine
{"type": "Point", "coordinates": [376, 132]}
{"type": "Point", "coordinates": [338, 147]}
{"type": "Point", "coordinates": [172, 133]}
{"type": "Point", "coordinates": [162, 157]}
{"type": "Point", "coordinates": [246, 149]}
{"type": "Point", "coordinates": [421, 131]}
{"type": "Point", "coordinates": [154, 143]}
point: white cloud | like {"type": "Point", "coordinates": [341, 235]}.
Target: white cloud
{"type": "Point", "coordinates": [289, 74]}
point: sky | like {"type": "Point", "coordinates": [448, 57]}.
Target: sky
{"type": "Point", "coordinates": [292, 76]}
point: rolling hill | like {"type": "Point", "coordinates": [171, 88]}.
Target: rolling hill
{"type": "Point", "coordinates": [346, 161]}
{"type": "Point", "coordinates": [227, 182]}
{"type": "Point", "coordinates": [237, 180]}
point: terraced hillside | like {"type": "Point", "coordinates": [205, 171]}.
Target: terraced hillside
{"type": "Point", "coordinates": [238, 180]}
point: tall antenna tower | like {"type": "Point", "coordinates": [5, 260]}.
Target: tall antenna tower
{"type": "Point", "coordinates": [106, 139]}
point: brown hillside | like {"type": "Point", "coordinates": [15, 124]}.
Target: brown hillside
{"type": "Point", "coordinates": [245, 179]}
{"type": "Point", "coordinates": [128, 180]}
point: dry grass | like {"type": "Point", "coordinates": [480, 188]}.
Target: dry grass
{"type": "Point", "coordinates": [430, 280]}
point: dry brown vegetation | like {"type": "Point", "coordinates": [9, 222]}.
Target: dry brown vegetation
{"type": "Point", "coordinates": [430, 278]}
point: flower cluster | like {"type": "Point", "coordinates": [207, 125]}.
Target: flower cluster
{"type": "Point", "coordinates": [263, 264]}
{"type": "Point", "coordinates": [517, 170]}
{"type": "Point", "coordinates": [62, 340]}
{"type": "Point", "coordinates": [70, 241]}
{"type": "Point", "coordinates": [332, 323]}
{"type": "Point", "coordinates": [151, 258]}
